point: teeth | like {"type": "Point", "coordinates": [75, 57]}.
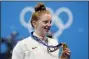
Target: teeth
{"type": "Point", "coordinates": [47, 28]}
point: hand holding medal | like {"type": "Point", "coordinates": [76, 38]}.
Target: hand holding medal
{"type": "Point", "coordinates": [65, 52]}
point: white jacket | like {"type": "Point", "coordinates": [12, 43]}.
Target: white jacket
{"type": "Point", "coordinates": [31, 49]}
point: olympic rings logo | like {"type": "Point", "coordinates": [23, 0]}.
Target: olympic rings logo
{"type": "Point", "coordinates": [55, 18]}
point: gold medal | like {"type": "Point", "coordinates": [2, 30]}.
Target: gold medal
{"type": "Point", "coordinates": [64, 46]}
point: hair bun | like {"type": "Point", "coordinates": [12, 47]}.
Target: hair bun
{"type": "Point", "coordinates": [40, 7]}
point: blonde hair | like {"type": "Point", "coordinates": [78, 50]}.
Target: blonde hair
{"type": "Point", "coordinates": [39, 10]}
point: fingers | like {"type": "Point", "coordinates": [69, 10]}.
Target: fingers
{"type": "Point", "coordinates": [67, 51]}
{"type": "Point", "coordinates": [65, 54]}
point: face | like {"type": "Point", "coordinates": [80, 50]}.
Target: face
{"type": "Point", "coordinates": [43, 25]}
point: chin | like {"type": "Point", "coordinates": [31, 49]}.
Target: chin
{"type": "Point", "coordinates": [46, 32]}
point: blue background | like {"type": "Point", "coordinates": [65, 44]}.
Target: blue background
{"type": "Point", "coordinates": [76, 36]}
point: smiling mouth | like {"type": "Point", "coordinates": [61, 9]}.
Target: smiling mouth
{"type": "Point", "coordinates": [47, 28]}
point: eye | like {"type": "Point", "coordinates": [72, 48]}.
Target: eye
{"type": "Point", "coordinates": [50, 22]}
{"type": "Point", "coordinates": [47, 22]}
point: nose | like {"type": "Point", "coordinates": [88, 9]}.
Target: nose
{"type": "Point", "coordinates": [49, 24]}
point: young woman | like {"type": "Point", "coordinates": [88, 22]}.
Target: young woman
{"type": "Point", "coordinates": [38, 45]}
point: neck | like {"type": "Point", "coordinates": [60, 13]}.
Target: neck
{"type": "Point", "coordinates": [39, 34]}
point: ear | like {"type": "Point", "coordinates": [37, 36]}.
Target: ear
{"type": "Point", "coordinates": [34, 24]}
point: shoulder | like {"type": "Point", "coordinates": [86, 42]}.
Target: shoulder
{"type": "Point", "coordinates": [21, 49]}
{"type": "Point", "coordinates": [21, 45]}
{"type": "Point", "coordinates": [25, 44]}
